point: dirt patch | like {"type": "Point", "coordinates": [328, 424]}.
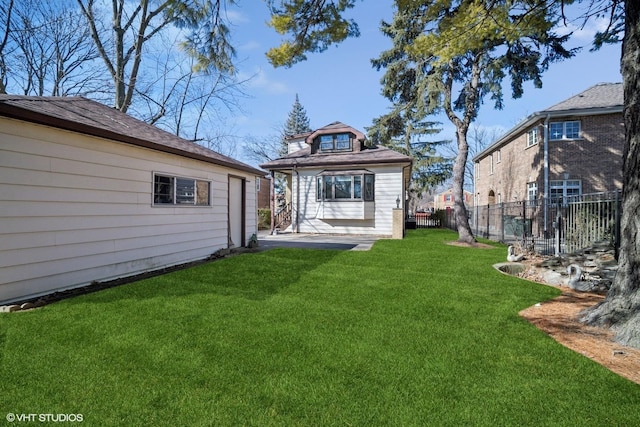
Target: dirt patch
{"type": "Point", "coordinates": [559, 319]}
{"type": "Point", "coordinates": [475, 245]}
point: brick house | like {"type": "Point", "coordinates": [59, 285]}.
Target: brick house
{"type": "Point", "coordinates": [572, 148]}
{"type": "Point", "coordinates": [444, 200]}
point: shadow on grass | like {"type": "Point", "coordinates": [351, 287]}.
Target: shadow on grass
{"type": "Point", "coordinates": [253, 276]}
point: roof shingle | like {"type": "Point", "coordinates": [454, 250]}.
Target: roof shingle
{"type": "Point", "coordinates": [93, 118]}
{"type": "Point", "coordinates": [602, 95]}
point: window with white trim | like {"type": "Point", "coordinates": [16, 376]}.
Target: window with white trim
{"type": "Point", "coordinates": [560, 190]}
{"type": "Point", "coordinates": [532, 191]}
{"type": "Point", "coordinates": [564, 130]}
{"type": "Point", "coordinates": [175, 190]}
{"type": "Point", "coordinates": [532, 137]}
{"type": "Point", "coordinates": [345, 187]}
{"type": "Point", "coordinates": [490, 164]}
{"type": "Point", "coordinates": [336, 142]}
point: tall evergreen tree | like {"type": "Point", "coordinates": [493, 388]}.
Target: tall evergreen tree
{"type": "Point", "coordinates": [402, 132]}
{"type": "Point", "coordinates": [296, 123]}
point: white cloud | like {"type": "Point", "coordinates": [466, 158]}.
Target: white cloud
{"type": "Point", "coordinates": [583, 33]}
{"type": "Point", "coordinates": [236, 17]}
{"type": "Point", "coordinates": [261, 81]}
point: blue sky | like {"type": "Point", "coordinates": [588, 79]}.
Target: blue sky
{"type": "Point", "coordinates": [340, 84]}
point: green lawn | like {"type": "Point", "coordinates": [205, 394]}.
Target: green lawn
{"type": "Point", "coordinates": [411, 333]}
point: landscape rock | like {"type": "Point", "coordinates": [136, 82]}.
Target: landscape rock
{"type": "Point", "coordinates": [597, 264]}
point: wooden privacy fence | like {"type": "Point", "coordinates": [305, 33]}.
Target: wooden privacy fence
{"type": "Point", "coordinates": [552, 227]}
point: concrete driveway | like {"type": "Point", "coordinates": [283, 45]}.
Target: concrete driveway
{"type": "Point", "coordinates": [315, 241]}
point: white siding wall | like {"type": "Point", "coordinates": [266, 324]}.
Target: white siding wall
{"type": "Point", "coordinates": [74, 209]}
{"type": "Point", "coordinates": [388, 186]}
{"type": "Point", "coordinates": [296, 145]}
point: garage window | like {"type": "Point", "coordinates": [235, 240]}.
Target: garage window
{"type": "Point", "coordinates": [175, 190]}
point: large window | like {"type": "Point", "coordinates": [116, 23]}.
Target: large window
{"type": "Point", "coordinates": [564, 130]}
{"type": "Point", "coordinates": [173, 190]}
{"type": "Point", "coordinates": [345, 187]}
{"type": "Point", "coordinates": [337, 142]}
{"type": "Point", "coordinates": [560, 190]}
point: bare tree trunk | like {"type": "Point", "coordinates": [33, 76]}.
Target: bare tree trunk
{"type": "Point", "coordinates": [465, 235]}
{"type": "Point", "coordinates": [621, 308]}
{"type": "Point", "coordinates": [462, 221]}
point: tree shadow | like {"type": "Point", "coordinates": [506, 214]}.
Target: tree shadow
{"type": "Point", "coordinates": [254, 276]}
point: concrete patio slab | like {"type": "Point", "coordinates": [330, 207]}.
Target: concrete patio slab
{"type": "Point", "coordinates": [316, 241]}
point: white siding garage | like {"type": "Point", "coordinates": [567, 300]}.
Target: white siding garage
{"type": "Point", "coordinates": [77, 208]}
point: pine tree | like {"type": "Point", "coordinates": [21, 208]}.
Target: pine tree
{"type": "Point", "coordinates": [296, 123]}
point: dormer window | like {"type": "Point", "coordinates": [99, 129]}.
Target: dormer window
{"type": "Point", "coordinates": [336, 142]}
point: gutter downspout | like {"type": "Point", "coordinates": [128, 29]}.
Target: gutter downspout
{"type": "Point", "coordinates": [545, 198]}
{"type": "Point", "coordinates": [295, 170]}
{"type": "Point", "coordinates": [272, 201]}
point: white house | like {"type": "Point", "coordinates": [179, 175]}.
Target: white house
{"type": "Point", "coordinates": [88, 193]}
{"type": "Point", "coordinates": [338, 184]}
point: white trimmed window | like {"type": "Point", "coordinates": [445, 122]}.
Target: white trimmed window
{"type": "Point", "coordinates": [345, 187]}
{"type": "Point", "coordinates": [560, 190]}
{"type": "Point", "coordinates": [491, 164]}
{"type": "Point", "coordinates": [532, 191]}
{"type": "Point", "coordinates": [532, 137]}
{"type": "Point", "coordinates": [564, 130]}
{"type": "Point", "coordinates": [337, 142]}
{"type": "Point", "coordinates": [174, 190]}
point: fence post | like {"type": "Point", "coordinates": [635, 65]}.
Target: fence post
{"type": "Point", "coordinates": [616, 243]}
{"type": "Point", "coordinates": [558, 239]}
{"type": "Point", "coordinates": [502, 222]}
{"type": "Point", "coordinates": [488, 235]}
{"type": "Point", "coordinates": [476, 209]}
{"type": "Point", "coordinates": [524, 223]}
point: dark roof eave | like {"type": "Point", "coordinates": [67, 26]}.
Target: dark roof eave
{"type": "Point", "coordinates": [291, 165]}
{"type": "Point", "coordinates": [18, 113]}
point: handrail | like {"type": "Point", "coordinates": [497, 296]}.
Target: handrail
{"type": "Point", "coordinates": [283, 216]}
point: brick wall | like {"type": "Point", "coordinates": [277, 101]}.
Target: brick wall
{"type": "Point", "coordinates": [264, 198]}
{"type": "Point", "coordinates": [595, 159]}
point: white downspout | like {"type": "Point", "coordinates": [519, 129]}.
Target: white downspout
{"type": "Point", "coordinates": [295, 169]}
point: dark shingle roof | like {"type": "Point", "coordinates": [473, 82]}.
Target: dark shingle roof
{"type": "Point", "coordinates": [335, 127]}
{"type": "Point", "coordinates": [369, 155]}
{"type": "Point", "coordinates": [89, 117]}
{"type": "Point", "coordinates": [602, 95]}
{"type": "Point", "coordinates": [365, 156]}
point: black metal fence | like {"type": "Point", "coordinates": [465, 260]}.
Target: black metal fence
{"type": "Point", "coordinates": [552, 227]}
{"type": "Point", "coordinates": [548, 227]}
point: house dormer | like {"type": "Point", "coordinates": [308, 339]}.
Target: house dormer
{"type": "Point", "coordinates": [336, 138]}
